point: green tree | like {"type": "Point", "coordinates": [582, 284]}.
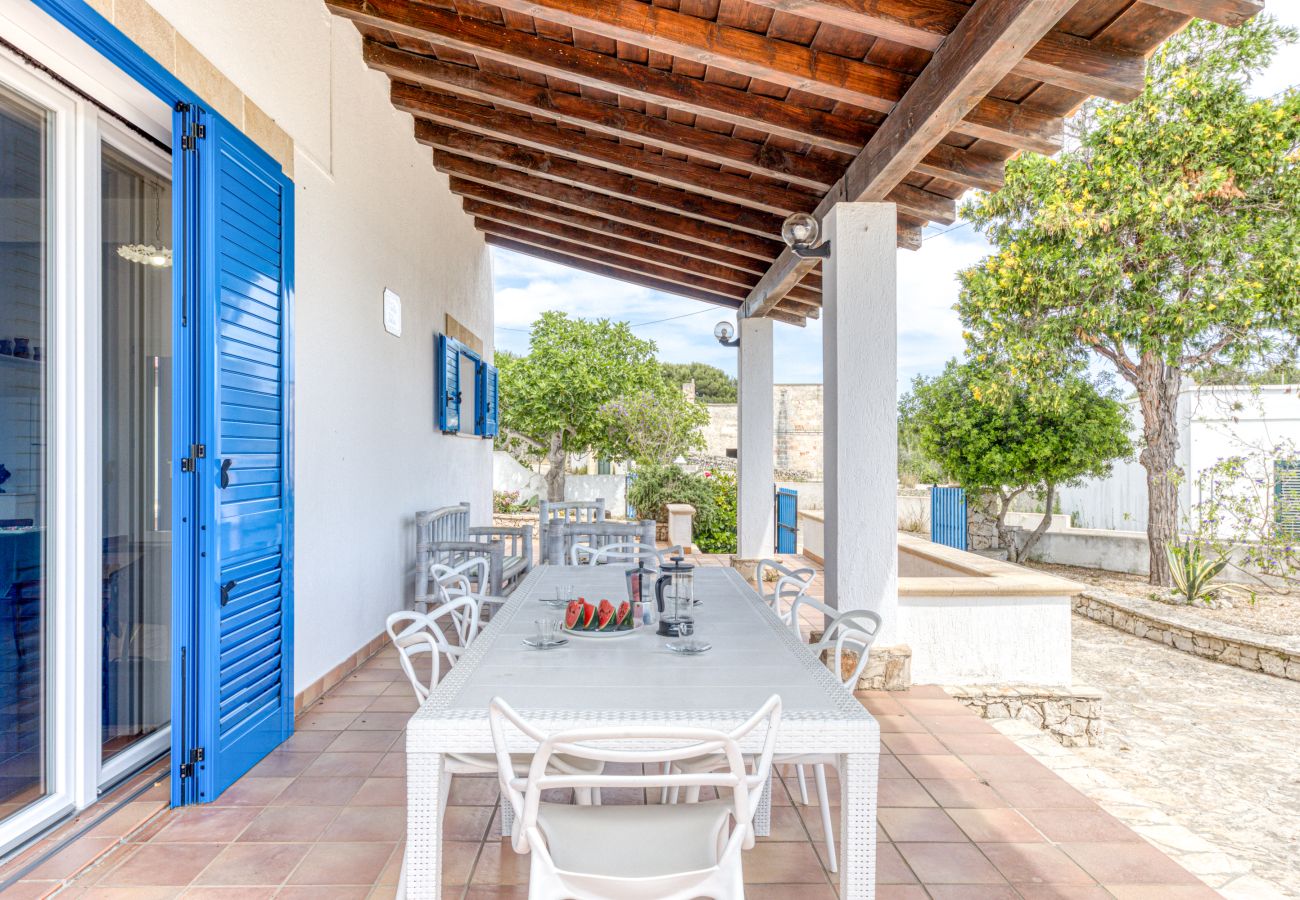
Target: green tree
{"type": "Point", "coordinates": [1165, 242]}
{"type": "Point", "coordinates": [712, 385]}
{"type": "Point", "coordinates": [914, 466]}
{"type": "Point", "coordinates": [552, 399]}
{"type": "Point", "coordinates": [653, 426]}
{"type": "Point", "coordinates": [1024, 437]}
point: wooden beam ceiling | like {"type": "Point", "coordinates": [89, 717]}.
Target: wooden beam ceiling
{"type": "Point", "coordinates": [665, 144]}
{"type": "Point", "coordinates": [979, 52]}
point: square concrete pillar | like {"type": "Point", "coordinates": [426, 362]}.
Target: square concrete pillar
{"type": "Point", "coordinates": [859, 363]}
{"type": "Point", "coordinates": [755, 441]}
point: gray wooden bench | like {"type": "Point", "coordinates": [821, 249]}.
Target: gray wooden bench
{"type": "Point", "coordinates": [568, 512]}
{"type": "Point", "coordinates": [445, 536]}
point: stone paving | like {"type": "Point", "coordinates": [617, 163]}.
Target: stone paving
{"type": "Point", "coordinates": [1199, 757]}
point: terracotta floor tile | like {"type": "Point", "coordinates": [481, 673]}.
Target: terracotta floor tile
{"type": "Point", "coordinates": [381, 792]}
{"type": "Point", "coordinates": [963, 743]}
{"type": "Point", "coordinates": [902, 792]}
{"type": "Point", "coordinates": [325, 721]}
{"type": "Point", "coordinates": [883, 706]}
{"type": "Point", "coordinates": [890, 867]}
{"type": "Point", "coordinates": [1069, 892]}
{"type": "Point", "coordinates": [899, 725]}
{"type": "Point", "coordinates": [909, 824]}
{"type": "Point", "coordinates": [1006, 767]}
{"type": "Point", "coordinates": [162, 865]}
{"type": "Point", "coordinates": [339, 703]}
{"type": "Point", "coordinates": [309, 741]}
{"type": "Point", "coordinates": [393, 703]}
{"type": "Point", "coordinates": [250, 791]}
{"type": "Point", "coordinates": [224, 892]}
{"type": "Point", "coordinates": [1127, 863]}
{"type": "Point", "coordinates": [787, 891]}
{"type": "Point", "coordinates": [342, 864]}
{"type": "Point", "coordinates": [32, 890]}
{"type": "Point", "coordinates": [374, 720]}
{"type": "Point", "coordinates": [497, 892]}
{"type": "Point", "coordinates": [956, 725]}
{"type": "Point", "coordinates": [949, 864]}
{"type": "Point", "coordinates": [900, 892]}
{"type": "Point", "coordinates": [787, 824]}
{"type": "Point", "coordinates": [362, 688]}
{"type": "Point", "coordinates": [283, 762]}
{"type": "Point", "coordinates": [920, 691]}
{"type": "Point", "coordinates": [1041, 795]}
{"type": "Point", "coordinates": [499, 864]}
{"type": "Point", "coordinates": [470, 790]}
{"type": "Point", "coordinates": [210, 824]}
{"type": "Point", "coordinates": [1035, 864]}
{"type": "Point", "coordinates": [996, 826]}
{"type": "Point", "coordinates": [367, 824]}
{"type": "Point", "coordinates": [962, 793]}
{"type": "Point", "coordinates": [127, 819]}
{"type": "Point", "coordinates": [276, 824]}
{"type": "Point", "coordinates": [934, 766]}
{"type": "Point", "coordinates": [923, 706]}
{"type": "Point", "coordinates": [890, 767]}
{"type": "Point", "coordinates": [330, 764]}
{"type": "Point", "coordinates": [971, 892]}
{"type": "Point", "coordinates": [373, 741]}
{"type": "Point", "coordinates": [1079, 825]}
{"type": "Point", "coordinates": [905, 742]}
{"type": "Point", "coordinates": [71, 859]}
{"type": "Point", "coordinates": [1161, 892]}
{"type": "Point", "coordinates": [393, 765]}
{"type": "Point", "coordinates": [253, 864]}
{"type": "Point", "coordinates": [793, 862]}
{"type": "Point", "coordinates": [308, 791]}
{"type": "Point", "coordinates": [108, 892]}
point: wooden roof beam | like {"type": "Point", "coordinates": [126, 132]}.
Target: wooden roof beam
{"type": "Point", "coordinates": [844, 134]}
{"type": "Point", "coordinates": [782, 62]}
{"type": "Point", "coordinates": [981, 50]}
{"type": "Point", "coordinates": [1225, 12]}
{"type": "Point", "coordinates": [1059, 58]}
{"type": "Point", "coordinates": [587, 265]}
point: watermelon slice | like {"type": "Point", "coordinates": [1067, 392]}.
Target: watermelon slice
{"type": "Point", "coordinates": [624, 617]}
{"type": "Point", "coordinates": [573, 614]}
{"type": "Point", "coordinates": [605, 616]}
{"type": "Point", "coordinates": [588, 616]}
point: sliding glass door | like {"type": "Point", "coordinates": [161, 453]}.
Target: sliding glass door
{"type": "Point", "coordinates": [135, 442]}
{"type": "Point", "coordinates": [26, 191]}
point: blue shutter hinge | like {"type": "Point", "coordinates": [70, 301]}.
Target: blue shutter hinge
{"type": "Point", "coordinates": [189, 141]}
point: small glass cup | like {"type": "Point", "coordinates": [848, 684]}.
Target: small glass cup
{"type": "Point", "coordinates": [547, 632]}
{"type": "Point", "coordinates": [686, 641]}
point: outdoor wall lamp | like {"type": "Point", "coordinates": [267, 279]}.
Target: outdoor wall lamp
{"type": "Point", "coordinates": [723, 331]}
{"type": "Point", "coordinates": [800, 233]}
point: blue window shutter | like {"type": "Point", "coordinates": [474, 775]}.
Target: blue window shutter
{"type": "Point", "coordinates": [489, 398]}
{"type": "Point", "coordinates": [448, 402]}
{"type": "Point", "coordinates": [244, 319]}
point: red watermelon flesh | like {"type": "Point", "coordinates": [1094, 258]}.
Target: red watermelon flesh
{"type": "Point", "coordinates": [605, 616]}
{"type": "Point", "coordinates": [624, 618]}
{"type": "Point", "coordinates": [573, 614]}
{"type": "Point", "coordinates": [588, 616]}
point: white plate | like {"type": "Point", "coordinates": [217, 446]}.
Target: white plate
{"type": "Point", "coordinates": [600, 635]}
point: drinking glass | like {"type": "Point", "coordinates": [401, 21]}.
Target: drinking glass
{"type": "Point", "coordinates": [546, 632]}
{"type": "Point", "coordinates": [686, 641]}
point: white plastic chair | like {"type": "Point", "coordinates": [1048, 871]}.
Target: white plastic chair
{"type": "Point", "coordinates": [635, 852]}
{"type": "Point", "coordinates": [855, 631]}
{"type": "Point", "coordinates": [462, 579]}
{"type": "Point", "coordinates": [791, 584]}
{"type": "Point", "coordinates": [621, 552]}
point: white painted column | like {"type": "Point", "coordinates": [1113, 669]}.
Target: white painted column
{"type": "Point", "coordinates": [859, 374]}
{"type": "Point", "coordinates": [755, 537]}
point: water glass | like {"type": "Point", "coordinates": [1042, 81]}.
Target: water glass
{"type": "Point", "coordinates": [547, 631]}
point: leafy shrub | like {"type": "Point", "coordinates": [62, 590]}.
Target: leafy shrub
{"type": "Point", "coordinates": [655, 486]}
{"type": "Point", "coordinates": [507, 502]}
{"type": "Point", "coordinates": [716, 533]}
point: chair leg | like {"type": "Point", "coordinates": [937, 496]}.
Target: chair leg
{"type": "Point", "coordinates": [819, 774]}
{"type": "Point", "coordinates": [803, 785]}
{"type": "Point", "coordinates": [507, 817]}
{"type": "Point", "coordinates": [663, 793]}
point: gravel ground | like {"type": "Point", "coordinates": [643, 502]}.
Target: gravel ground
{"type": "Point", "coordinates": [1270, 613]}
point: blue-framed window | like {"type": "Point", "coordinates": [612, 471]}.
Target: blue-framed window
{"type": "Point", "coordinates": [466, 399]}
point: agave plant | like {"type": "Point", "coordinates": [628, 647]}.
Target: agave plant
{"type": "Point", "coordinates": [1193, 571]}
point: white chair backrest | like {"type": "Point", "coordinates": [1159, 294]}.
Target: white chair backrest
{"type": "Point", "coordinates": [626, 744]}
{"type": "Point", "coordinates": [853, 630]}
{"type": "Point", "coordinates": [465, 577]}
{"type": "Point", "coordinates": [621, 552]}
{"type": "Point", "coordinates": [413, 633]}
{"type": "Point", "coordinates": [790, 585]}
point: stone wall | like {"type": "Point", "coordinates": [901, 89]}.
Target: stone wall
{"type": "Point", "coordinates": [797, 424]}
{"type": "Point", "coordinates": [981, 522]}
{"type": "Point", "coordinates": [1071, 715]}
{"type": "Point", "coordinates": [1167, 625]}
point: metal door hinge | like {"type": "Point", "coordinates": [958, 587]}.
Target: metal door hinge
{"type": "Point", "coordinates": [187, 768]}
{"type": "Point", "coordinates": [190, 139]}
{"type": "Point", "coordinates": [197, 452]}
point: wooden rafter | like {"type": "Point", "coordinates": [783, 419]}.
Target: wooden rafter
{"type": "Point", "coordinates": [791, 65]}
{"type": "Point", "coordinates": [1225, 12]}
{"type": "Point", "coordinates": [979, 52]}
{"type": "Point", "coordinates": [1062, 59]}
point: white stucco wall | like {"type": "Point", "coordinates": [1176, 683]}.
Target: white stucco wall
{"type": "Point", "coordinates": [371, 213]}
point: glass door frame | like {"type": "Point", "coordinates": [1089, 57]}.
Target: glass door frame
{"type": "Point", "coordinates": [159, 163]}
{"type": "Point", "coordinates": [75, 773]}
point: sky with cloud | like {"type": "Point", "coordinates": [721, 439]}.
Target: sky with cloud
{"type": "Point", "coordinates": [929, 332]}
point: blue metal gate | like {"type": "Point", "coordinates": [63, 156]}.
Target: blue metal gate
{"type": "Point", "coordinates": [948, 516]}
{"type": "Point", "coordinates": [787, 520]}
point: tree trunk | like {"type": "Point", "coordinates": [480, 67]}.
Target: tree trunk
{"type": "Point", "coordinates": [1049, 497]}
{"type": "Point", "coordinates": [557, 458]}
{"type": "Point", "coordinates": [1158, 384]}
{"type": "Point", "coordinates": [1004, 536]}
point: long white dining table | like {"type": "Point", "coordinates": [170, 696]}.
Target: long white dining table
{"type": "Point", "coordinates": [637, 680]}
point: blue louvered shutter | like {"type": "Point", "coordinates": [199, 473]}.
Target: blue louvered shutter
{"type": "Point", "coordinates": [245, 697]}
{"type": "Point", "coordinates": [448, 371]}
{"type": "Point", "coordinates": [488, 397]}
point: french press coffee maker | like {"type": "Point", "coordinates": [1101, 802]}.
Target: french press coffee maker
{"type": "Point", "coordinates": [675, 596]}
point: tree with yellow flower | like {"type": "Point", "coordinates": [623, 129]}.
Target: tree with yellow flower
{"type": "Point", "coordinates": [1165, 241]}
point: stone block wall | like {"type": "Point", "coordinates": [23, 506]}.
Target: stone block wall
{"type": "Point", "coordinates": [1071, 715]}
{"type": "Point", "coordinates": [797, 420]}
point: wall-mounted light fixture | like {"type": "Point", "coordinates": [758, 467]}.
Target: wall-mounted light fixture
{"type": "Point", "coordinates": [800, 233]}
{"type": "Point", "coordinates": [723, 331]}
